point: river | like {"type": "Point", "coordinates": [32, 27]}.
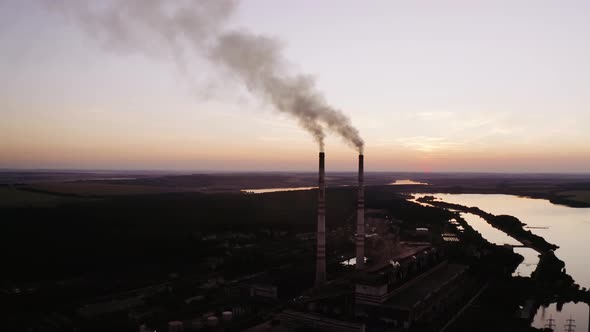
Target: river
{"type": "Point", "coordinates": [274, 190]}
{"type": "Point", "coordinates": [567, 227]}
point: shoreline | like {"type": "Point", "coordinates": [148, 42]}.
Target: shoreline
{"type": "Point", "coordinates": [551, 198]}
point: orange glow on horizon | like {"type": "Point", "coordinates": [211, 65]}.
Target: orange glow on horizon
{"type": "Point", "coordinates": [237, 156]}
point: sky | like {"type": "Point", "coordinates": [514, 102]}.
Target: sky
{"type": "Point", "coordinates": [432, 86]}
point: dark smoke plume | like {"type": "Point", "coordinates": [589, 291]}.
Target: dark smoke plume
{"type": "Point", "coordinates": [171, 28]}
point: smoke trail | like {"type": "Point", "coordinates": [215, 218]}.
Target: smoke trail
{"type": "Point", "coordinates": [160, 28]}
{"type": "Point", "coordinates": [156, 28]}
{"type": "Point", "coordinates": [258, 61]}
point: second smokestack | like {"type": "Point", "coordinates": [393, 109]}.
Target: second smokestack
{"type": "Point", "coordinates": [360, 217]}
{"type": "Point", "coordinates": [320, 276]}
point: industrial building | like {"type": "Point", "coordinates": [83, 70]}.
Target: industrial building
{"type": "Point", "coordinates": [403, 284]}
{"type": "Point", "coordinates": [390, 283]}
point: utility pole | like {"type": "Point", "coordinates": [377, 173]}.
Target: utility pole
{"type": "Point", "coordinates": [570, 326]}
{"type": "Point", "coordinates": [550, 323]}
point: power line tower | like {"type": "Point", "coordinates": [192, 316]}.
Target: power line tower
{"type": "Point", "coordinates": [569, 325]}
{"type": "Point", "coordinates": [550, 323]}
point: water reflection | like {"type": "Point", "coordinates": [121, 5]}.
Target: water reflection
{"type": "Point", "coordinates": [529, 264]}
{"type": "Point", "coordinates": [272, 190]}
{"type": "Point", "coordinates": [490, 233]}
{"type": "Point", "coordinates": [567, 227]}
{"type": "Point", "coordinates": [415, 200]}
{"type": "Point", "coordinates": [578, 312]}
{"type": "Point", "coordinates": [407, 182]}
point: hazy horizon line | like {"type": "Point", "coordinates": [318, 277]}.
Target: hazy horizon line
{"type": "Point", "coordinates": [238, 171]}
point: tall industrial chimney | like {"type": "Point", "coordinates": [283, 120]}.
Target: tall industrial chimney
{"type": "Point", "coordinates": [320, 276]}
{"type": "Point", "coordinates": [360, 218]}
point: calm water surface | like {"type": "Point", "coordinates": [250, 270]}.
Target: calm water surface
{"type": "Point", "coordinates": [567, 227]}
{"type": "Point", "coordinates": [272, 190]}
{"type": "Point", "coordinates": [407, 182]}
{"type": "Point", "coordinates": [490, 233]}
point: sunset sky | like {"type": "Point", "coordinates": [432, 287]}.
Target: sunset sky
{"type": "Point", "coordinates": [499, 86]}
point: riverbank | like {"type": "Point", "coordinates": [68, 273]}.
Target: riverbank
{"type": "Point", "coordinates": [550, 282]}
{"type": "Point", "coordinates": [572, 190]}
{"type": "Point", "coordinates": [564, 197]}
{"type": "Point", "coordinates": [508, 224]}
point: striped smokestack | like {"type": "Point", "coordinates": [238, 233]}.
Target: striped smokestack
{"type": "Point", "coordinates": [360, 217]}
{"type": "Point", "coordinates": [320, 276]}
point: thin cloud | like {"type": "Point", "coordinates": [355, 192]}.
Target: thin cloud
{"type": "Point", "coordinates": [428, 144]}
{"type": "Point", "coordinates": [435, 115]}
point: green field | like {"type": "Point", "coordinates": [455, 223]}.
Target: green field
{"type": "Point", "coordinates": [578, 195]}
{"type": "Point", "coordinates": [97, 188]}
{"type": "Point", "coordinates": [11, 197]}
